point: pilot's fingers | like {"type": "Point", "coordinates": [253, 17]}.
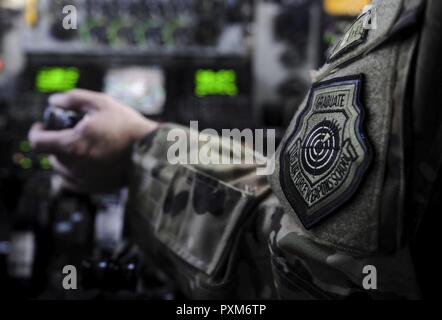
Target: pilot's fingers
{"type": "Point", "coordinates": [68, 184]}
{"type": "Point", "coordinates": [60, 168]}
{"type": "Point", "coordinates": [78, 99]}
{"type": "Point", "coordinates": [52, 142]}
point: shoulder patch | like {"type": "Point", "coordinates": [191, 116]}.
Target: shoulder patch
{"type": "Point", "coordinates": [324, 160]}
{"type": "Point", "coordinates": [355, 35]}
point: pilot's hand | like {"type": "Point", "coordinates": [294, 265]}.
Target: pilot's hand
{"type": "Point", "coordinates": [94, 156]}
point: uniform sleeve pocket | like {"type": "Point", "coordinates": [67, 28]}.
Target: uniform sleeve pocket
{"type": "Point", "coordinates": [199, 217]}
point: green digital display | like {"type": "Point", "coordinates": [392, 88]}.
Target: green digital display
{"type": "Point", "coordinates": [216, 83]}
{"type": "Point", "coordinates": [56, 79]}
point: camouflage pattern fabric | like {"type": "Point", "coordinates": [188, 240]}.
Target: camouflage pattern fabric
{"type": "Point", "coordinates": [193, 216]}
{"type": "Point", "coordinates": [221, 231]}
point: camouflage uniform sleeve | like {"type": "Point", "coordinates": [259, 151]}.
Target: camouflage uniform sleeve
{"type": "Point", "coordinates": [221, 232]}
{"type": "Point", "coordinates": [362, 248]}
{"type": "Point", "coordinates": [199, 223]}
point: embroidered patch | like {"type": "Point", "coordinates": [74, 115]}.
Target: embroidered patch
{"type": "Point", "coordinates": [323, 161]}
{"type": "Point", "coordinates": [355, 35]}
